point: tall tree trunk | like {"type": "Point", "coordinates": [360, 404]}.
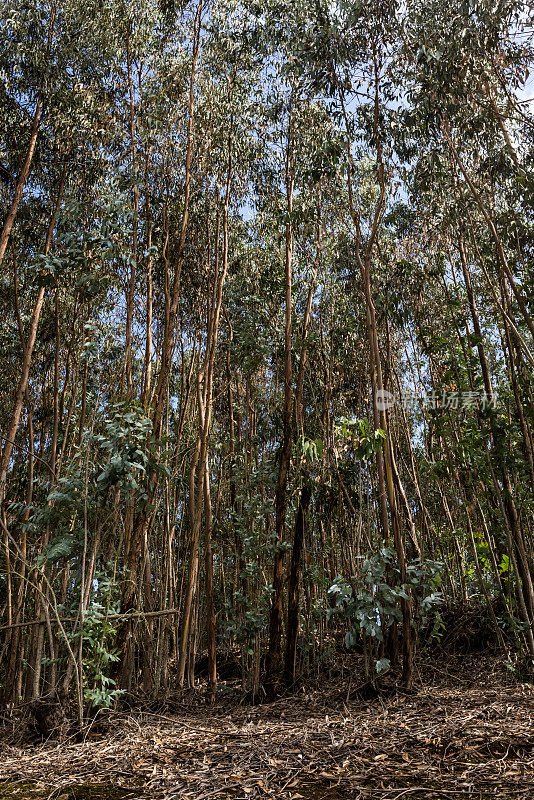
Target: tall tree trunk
{"type": "Point", "coordinates": [141, 524]}
{"type": "Point", "coordinates": [28, 353]}
{"type": "Point", "coordinates": [274, 656]}
{"type": "Point", "coordinates": [293, 586]}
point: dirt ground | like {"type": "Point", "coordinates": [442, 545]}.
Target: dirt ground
{"type": "Point", "coordinates": [466, 732]}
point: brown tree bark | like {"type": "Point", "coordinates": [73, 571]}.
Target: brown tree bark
{"type": "Point", "coordinates": [274, 656]}
{"type": "Point", "coordinates": [134, 548]}
{"type": "Point", "coordinates": [293, 586]}
{"type": "Point", "coordinates": [27, 353]}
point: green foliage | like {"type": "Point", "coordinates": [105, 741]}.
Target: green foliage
{"type": "Point", "coordinates": [365, 441]}
{"type": "Point", "coordinates": [124, 440]}
{"type": "Point", "coordinates": [371, 602]}
{"type": "Point", "coordinates": [310, 449]}
{"type": "Point", "coordinates": [99, 633]}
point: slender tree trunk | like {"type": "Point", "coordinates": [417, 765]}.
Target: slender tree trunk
{"type": "Point", "coordinates": [141, 523]}
{"type": "Point", "coordinates": [275, 619]}
{"type": "Point", "coordinates": [293, 586]}
{"type": "Point", "coordinates": [27, 354]}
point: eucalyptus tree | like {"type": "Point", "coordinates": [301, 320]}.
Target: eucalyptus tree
{"type": "Point", "coordinates": [352, 65]}
{"type": "Point", "coordinates": [52, 118]}
{"type": "Point", "coordinates": [228, 231]}
{"type": "Point", "coordinates": [471, 174]}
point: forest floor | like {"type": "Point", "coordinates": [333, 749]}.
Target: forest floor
{"type": "Point", "coordinates": [467, 731]}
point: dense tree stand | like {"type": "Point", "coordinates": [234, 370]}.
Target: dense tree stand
{"type": "Point", "coordinates": [267, 387]}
